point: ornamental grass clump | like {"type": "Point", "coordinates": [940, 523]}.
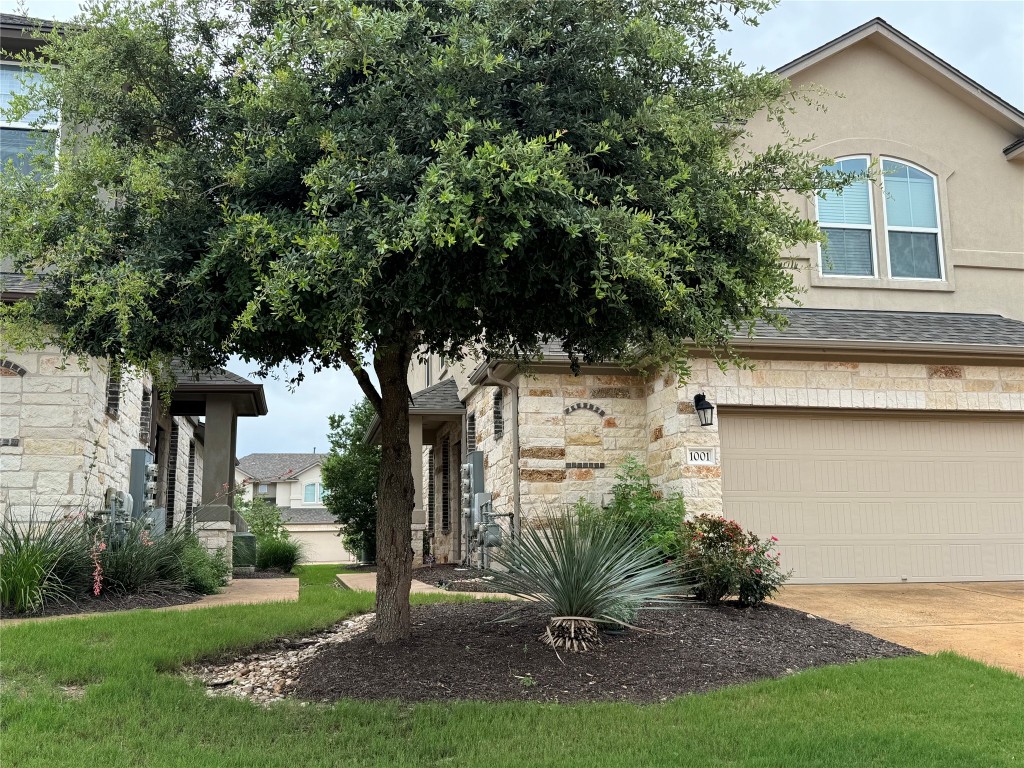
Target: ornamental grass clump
{"type": "Point", "coordinates": [41, 561]}
{"type": "Point", "coordinates": [585, 574]}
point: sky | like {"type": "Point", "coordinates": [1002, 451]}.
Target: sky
{"type": "Point", "coordinates": [981, 38]}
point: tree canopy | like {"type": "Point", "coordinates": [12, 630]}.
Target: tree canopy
{"type": "Point", "coordinates": [351, 473]}
{"type": "Point", "coordinates": [352, 179]}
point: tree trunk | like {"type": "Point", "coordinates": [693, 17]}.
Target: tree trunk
{"type": "Point", "coordinates": [395, 497]}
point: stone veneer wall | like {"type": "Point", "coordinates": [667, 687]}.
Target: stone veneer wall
{"type": "Point", "coordinates": [58, 445]}
{"type": "Point", "coordinates": [654, 419]}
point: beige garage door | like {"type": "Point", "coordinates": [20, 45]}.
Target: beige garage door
{"type": "Point", "coordinates": [880, 498]}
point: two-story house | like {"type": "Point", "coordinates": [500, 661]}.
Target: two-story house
{"type": "Point", "coordinates": [880, 436]}
{"type": "Point", "coordinates": [79, 434]}
{"type": "Point", "coordinates": [292, 482]}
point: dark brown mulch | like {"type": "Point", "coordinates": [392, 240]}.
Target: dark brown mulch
{"type": "Point", "coordinates": [107, 602]}
{"type": "Point", "coordinates": [456, 578]}
{"type": "Point", "coordinates": [458, 652]}
{"type": "Point", "coordinates": [266, 573]}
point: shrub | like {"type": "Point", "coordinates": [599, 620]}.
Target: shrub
{"type": "Point", "coordinates": [203, 572]}
{"type": "Point", "coordinates": [41, 561]}
{"type": "Point", "coordinates": [283, 554]}
{"type": "Point", "coordinates": [637, 505]}
{"type": "Point", "coordinates": [131, 560]}
{"type": "Point", "coordinates": [584, 574]}
{"type": "Point", "coordinates": [263, 519]}
{"type": "Point", "coordinates": [725, 560]}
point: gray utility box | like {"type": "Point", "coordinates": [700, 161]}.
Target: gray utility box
{"type": "Point", "coordinates": [142, 487]}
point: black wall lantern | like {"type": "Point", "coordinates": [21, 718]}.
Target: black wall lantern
{"type": "Point", "coordinates": [705, 410]}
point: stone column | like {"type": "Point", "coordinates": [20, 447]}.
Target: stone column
{"type": "Point", "coordinates": [419, 511]}
{"type": "Point", "coordinates": [215, 517]}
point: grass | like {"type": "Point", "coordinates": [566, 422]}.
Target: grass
{"type": "Point", "coordinates": [95, 692]}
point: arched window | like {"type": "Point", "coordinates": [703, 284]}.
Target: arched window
{"type": "Point", "coordinates": [499, 418]}
{"type": "Point", "coordinates": [848, 221]}
{"type": "Point", "coordinates": [911, 221]}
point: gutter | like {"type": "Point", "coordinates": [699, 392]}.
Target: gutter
{"type": "Point", "coordinates": [493, 380]}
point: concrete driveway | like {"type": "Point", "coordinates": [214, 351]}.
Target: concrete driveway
{"type": "Point", "coordinates": [982, 620]}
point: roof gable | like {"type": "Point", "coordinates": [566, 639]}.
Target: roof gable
{"type": "Point", "coordinates": [926, 63]}
{"type": "Point", "coordinates": [275, 467]}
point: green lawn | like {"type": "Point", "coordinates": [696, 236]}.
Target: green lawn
{"type": "Point", "coordinates": [96, 692]}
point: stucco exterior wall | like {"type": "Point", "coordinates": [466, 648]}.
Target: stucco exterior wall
{"type": "Point", "coordinates": [878, 105]}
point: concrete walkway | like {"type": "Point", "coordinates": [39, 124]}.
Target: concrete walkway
{"type": "Point", "coordinates": [367, 582]}
{"type": "Point", "coordinates": [982, 620]}
{"type": "Point", "coordinates": [238, 592]}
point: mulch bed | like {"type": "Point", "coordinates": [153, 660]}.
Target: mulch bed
{"type": "Point", "coordinates": [107, 602]}
{"type": "Point", "coordinates": [459, 652]}
{"type": "Point", "coordinates": [266, 573]}
{"type": "Point", "coordinates": [456, 578]}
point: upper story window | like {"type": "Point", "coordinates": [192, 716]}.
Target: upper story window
{"type": "Point", "coordinates": [848, 220]}
{"type": "Point", "coordinates": [312, 493]}
{"type": "Point", "coordinates": [263, 488]}
{"type": "Point", "coordinates": [428, 374]}
{"type": "Point", "coordinates": [499, 417]}
{"type": "Point", "coordinates": [888, 239]}
{"type": "Point", "coordinates": [911, 221]}
{"type": "Point", "coordinates": [22, 138]}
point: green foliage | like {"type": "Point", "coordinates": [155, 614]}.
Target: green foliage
{"type": "Point", "coordinates": [41, 561]}
{"type": "Point", "coordinates": [282, 554]}
{"type": "Point", "coordinates": [725, 560]}
{"type": "Point", "coordinates": [637, 505]}
{"type": "Point", "coordinates": [350, 473]}
{"type": "Point", "coordinates": [263, 518]}
{"type": "Point", "coordinates": [202, 571]}
{"type": "Point", "coordinates": [574, 568]}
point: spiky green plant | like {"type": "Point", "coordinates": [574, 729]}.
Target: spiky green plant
{"type": "Point", "coordinates": [283, 554]}
{"type": "Point", "coordinates": [42, 560]}
{"type": "Point", "coordinates": [584, 574]}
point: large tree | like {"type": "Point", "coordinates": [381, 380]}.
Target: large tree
{"type": "Point", "coordinates": [337, 182]}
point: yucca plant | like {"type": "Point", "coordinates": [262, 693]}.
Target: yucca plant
{"type": "Point", "coordinates": [41, 560]}
{"type": "Point", "coordinates": [585, 574]}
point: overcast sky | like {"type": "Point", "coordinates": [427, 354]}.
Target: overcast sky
{"type": "Point", "coordinates": [983, 39]}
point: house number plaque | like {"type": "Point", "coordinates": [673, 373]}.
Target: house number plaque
{"type": "Point", "coordinates": [707, 457]}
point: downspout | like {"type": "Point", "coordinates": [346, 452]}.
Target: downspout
{"type": "Point", "coordinates": [514, 388]}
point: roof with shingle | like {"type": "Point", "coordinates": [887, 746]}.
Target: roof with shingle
{"type": "Point", "coordinates": [308, 516]}
{"type": "Point", "coordinates": [277, 466]}
{"type": "Point", "coordinates": [945, 328]}
{"type": "Point", "coordinates": [14, 285]}
{"type": "Point", "coordinates": [438, 398]}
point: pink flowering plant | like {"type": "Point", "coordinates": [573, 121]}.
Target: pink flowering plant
{"type": "Point", "coordinates": [725, 560]}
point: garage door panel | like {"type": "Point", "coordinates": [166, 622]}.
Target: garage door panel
{"type": "Point", "coordinates": [867, 498]}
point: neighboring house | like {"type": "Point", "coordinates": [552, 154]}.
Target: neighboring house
{"type": "Point", "coordinates": [881, 435]}
{"type": "Point", "coordinates": [76, 434]}
{"type": "Point", "coordinates": [292, 482]}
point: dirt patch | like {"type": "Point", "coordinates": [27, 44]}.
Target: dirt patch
{"type": "Point", "coordinates": [266, 573]}
{"type": "Point", "coordinates": [105, 603]}
{"type": "Point", "coordinates": [457, 578]}
{"type": "Point", "coordinates": [460, 651]}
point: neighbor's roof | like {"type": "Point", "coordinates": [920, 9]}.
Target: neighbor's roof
{"type": "Point", "coordinates": [310, 516]}
{"type": "Point", "coordinates": [919, 58]}
{"type": "Point", "coordinates": [15, 286]}
{"type": "Point", "coordinates": [277, 466]}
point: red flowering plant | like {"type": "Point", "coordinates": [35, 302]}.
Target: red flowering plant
{"type": "Point", "coordinates": [724, 560]}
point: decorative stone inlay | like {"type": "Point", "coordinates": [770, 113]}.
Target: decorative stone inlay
{"type": "Point", "coordinates": [584, 465]}
{"type": "Point", "coordinates": [581, 474]}
{"type": "Point", "coordinates": [602, 393]}
{"type": "Point", "coordinates": [542, 452]}
{"type": "Point", "coordinates": [945, 371]}
{"type": "Point", "coordinates": [7, 368]}
{"type": "Point", "coordinates": [587, 407]}
{"type": "Point", "coordinates": [270, 675]}
{"type": "Point", "coordinates": [657, 433]}
{"type": "Point", "coordinates": [542, 475]}
{"type": "Point", "coordinates": [10, 442]}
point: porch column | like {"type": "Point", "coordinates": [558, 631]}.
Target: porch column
{"type": "Point", "coordinates": [419, 513]}
{"type": "Point", "coordinates": [214, 518]}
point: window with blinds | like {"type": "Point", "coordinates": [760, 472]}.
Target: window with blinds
{"type": "Point", "coordinates": [911, 221]}
{"type": "Point", "coordinates": [847, 220]}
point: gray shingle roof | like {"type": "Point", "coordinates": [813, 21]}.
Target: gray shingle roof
{"type": "Point", "coordinates": [908, 327]}
{"type": "Point", "coordinates": [269, 467]}
{"type": "Point", "coordinates": [16, 285]}
{"type": "Point", "coordinates": [443, 396]}
{"type": "Point", "coordinates": [306, 516]}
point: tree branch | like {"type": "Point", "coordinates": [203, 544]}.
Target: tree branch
{"type": "Point", "coordinates": [363, 378]}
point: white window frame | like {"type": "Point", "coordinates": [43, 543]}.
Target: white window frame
{"type": "Point", "coordinates": [315, 493]}
{"type": "Point", "coordinates": [264, 488]}
{"type": "Point", "coordinates": [22, 126]}
{"type": "Point", "coordinates": [937, 230]}
{"type": "Point", "coordinates": [428, 377]}
{"type": "Point", "coordinates": [871, 228]}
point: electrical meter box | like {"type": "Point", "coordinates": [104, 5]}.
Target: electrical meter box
{"type": "Point", "coordinates": [142, 485]}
